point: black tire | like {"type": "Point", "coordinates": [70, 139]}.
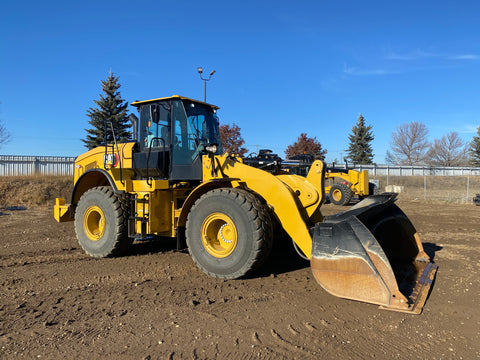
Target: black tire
{"type": "Point", "coordinates": [229, 233]}
{"type": "Point", "coordinates": [101, 223]}
{"type": "Point", "coordinates": [340, 194]}
{"type": "Point", "coordinates": [373, 189]}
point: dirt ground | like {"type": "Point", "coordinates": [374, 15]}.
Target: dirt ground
{"type": "Point", "coordinates": [57, 302]}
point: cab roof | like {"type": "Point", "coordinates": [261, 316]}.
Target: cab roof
{"type": "Point", "coordinates": [138, 103]}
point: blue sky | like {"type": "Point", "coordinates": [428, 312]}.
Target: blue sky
{"type": "Point", "coordinates": [282, 67]}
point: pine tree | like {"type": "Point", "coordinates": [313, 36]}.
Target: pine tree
{"type": "Point", "coordinates": [475, 149]}
{"type": "Point", "coordinates": [111, 108]}
{"type": "Point", "coordinates": [360, 150]}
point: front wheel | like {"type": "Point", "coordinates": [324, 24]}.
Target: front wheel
{"type": "Point", "coordinates": [101, 223]}
{"type": "Point", "coordinates": [229, 233]}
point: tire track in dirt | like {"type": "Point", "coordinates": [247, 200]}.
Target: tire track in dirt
{"type": "Point", "coordinates": [23, 260]}
{"type": "Point", "coordinates": [300, 340]}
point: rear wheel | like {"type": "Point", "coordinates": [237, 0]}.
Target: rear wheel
{"type": "Point", "coordinates": [101, 223]}
{"type": "Point", "coordinates": [229, 233]}
{"type": "Point", "coordinates": [340, 194]}
{"type": "Point", "coordinates": [373, 189]}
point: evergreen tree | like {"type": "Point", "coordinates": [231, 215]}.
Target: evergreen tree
{"type": "Point", "coordinates": [475, 149]}
{"type": "Point", "coordinates": [111, 108]}
{"type": "Point", "coordinates": [360, 150]}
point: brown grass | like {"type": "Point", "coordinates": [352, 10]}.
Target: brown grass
{"type": "Point", "coordinates": [36, 190]}
{"type": "Point", "coordinates": [455, 189]}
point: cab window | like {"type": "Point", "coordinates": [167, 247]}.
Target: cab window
{"type": "Point", "coordinates": [155, 121]}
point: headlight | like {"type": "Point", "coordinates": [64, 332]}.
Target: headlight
{"type": "Point", "coordinates": [211, 148]}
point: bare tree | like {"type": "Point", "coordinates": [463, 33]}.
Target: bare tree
{"type": "Point", "coordinates": [409, 144]}
{"type": "Point", "coordinates": [4, 134]}
{"type": "Point", "coordinates": [450, 150]}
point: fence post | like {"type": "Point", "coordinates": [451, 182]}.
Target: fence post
{"type": "Point", "coordinates": [424, 187]}
{"type": "Point", "coordinates": [468, 189]}
{"type": "Point", "coordinates": [36, 166]}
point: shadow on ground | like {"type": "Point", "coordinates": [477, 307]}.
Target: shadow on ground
{"type": "Point", "coordinates": [431, 249]}
{"type": "Point", "coordinates": [153, 245]}
{"type": "Point", "coordinates": [11, 208]}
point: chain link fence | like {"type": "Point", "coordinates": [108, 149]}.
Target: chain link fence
{"type": "Point", "coordinates": [454, 189]}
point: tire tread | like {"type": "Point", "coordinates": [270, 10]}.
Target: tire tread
{"type": "Point", "coordinates": [260, 219]}
{"type": "Point", "coordinates": [120, 243]}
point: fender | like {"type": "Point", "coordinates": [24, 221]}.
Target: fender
{"type": "Point", "coordinates": [199, 191]}
{"type": "Point", "coordinates": [90, 179]}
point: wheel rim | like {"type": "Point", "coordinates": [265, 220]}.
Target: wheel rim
{"type": "Point", "coordinates": [94, 223]}
{"type": "Point", "coordinates": [337, 195]}
{"type": "Point", "coordinates": [219, 235]}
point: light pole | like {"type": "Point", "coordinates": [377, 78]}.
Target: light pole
{"type": "Point", "coordinates": [200, 71]}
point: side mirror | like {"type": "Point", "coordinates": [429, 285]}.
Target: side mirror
{"type": "Point", "coordinates": [134, 120]}
{"type": "Point", "coordinates": [154, 113]}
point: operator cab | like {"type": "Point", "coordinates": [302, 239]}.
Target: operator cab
{"type": "Point", "coordinates": [173, 134]}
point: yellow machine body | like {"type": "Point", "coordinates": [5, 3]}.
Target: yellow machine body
{"type": "Point", "coordinates": [225, 209]}
{"type": "Point", "coordinates": [342, 185]}
{"type": "Point", "coordinates": [164, 202]}
{"type": "Point", "coordinates": [358, 180]}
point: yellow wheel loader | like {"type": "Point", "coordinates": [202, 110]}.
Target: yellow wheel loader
{"type": "Point", "coordinates": [173, 180]}
{"type": "Point", "coordinates": [346, 183]}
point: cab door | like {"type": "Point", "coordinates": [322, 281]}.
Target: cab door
{"type": "Point", "coordinates": [186, 157]}
{"type": "Point", "coordinates": [153, 159]}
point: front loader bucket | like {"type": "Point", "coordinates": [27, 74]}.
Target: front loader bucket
{"type": "Point", "coordinates": [372, 253]}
